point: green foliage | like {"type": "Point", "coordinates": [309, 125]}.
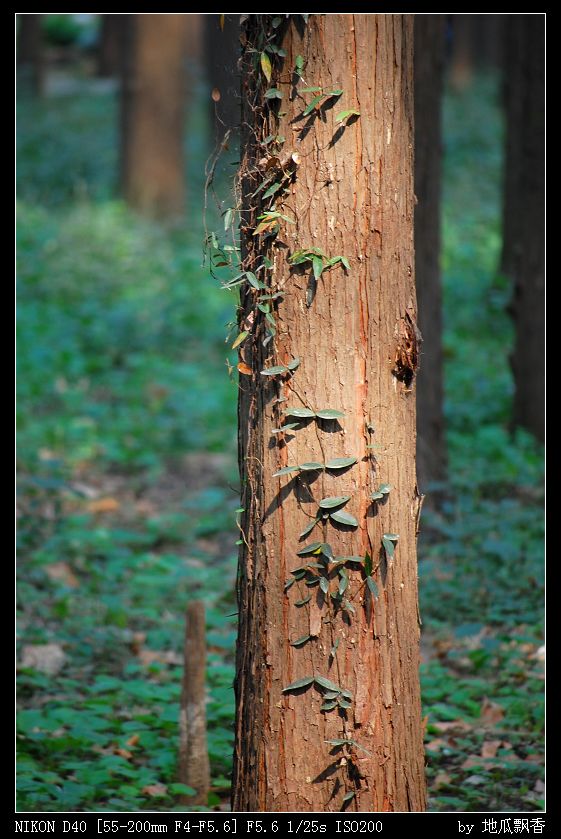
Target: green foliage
{"type": "Point", "coordinates": [122, 377]}
{"type": "Point", "coordinates": [121, 382]}
{"type": "Point", "coordinates": [481, 554]}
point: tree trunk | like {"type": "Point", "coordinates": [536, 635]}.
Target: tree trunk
{"type": "Point", "coordinates": [462, 58]}
{"type": "Point", "coordinates": [523, 255]}
{"type": "Point", "coordinates": [30, 55]}
{"type": "Point", "coordinates": [222, 51]}
{"type": "Point", "coordinates": [429, 66]}
{"type": "Point", "coordinates": [153, 114]}
{"type": "Point", "coordinates": [110, 45]}
{"type": "Point", "coordinates": [349, 189]}
{"type": "Point", "coordinates": [194, 769]}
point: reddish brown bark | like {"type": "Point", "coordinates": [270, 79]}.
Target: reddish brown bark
{"type": "Point", "coordinates": [153, 113]}
{"type": "Point", "coordinates": [429, 66]}
{"type": "Point", "coordinates": [352, 195]}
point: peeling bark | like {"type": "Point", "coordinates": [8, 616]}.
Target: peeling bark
{"type": "Point", "coordinates": [351, 195]}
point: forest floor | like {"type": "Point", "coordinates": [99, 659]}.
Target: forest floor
{"type": "Point", "coordinates": [128, 485]}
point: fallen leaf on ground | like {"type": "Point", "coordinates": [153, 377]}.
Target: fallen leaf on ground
{"type": "Point", "coordinates": [132, 741]}
{"type": "Point", "coordinates": [491, 712]}
{"type": "Point", "coordinates": [452, 725]}
{"type": "Point", "coordinates": [475, 760]}
{"type": "Point", "coordinates": [490, 748]}
{"type": "Point", "coordinates": [534, 758]}
{"type": "Point", "coordinates": [155, 790]}
{"type": "Point", "coordinates": [103, 505]}
{"type": "Point", "coordinates": [437, 744]}
{"type": "Point", "coordinates": [62, 572]}
{"type": "Point", "coordinates": [46, 658]}
{"type": "Point", "coordinates": [161, 656]}
{"type": "Point", "coordinates": [123, 753]}
{"type": "Point", "coordinates": [441, 779]}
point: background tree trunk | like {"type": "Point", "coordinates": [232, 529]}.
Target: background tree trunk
{"type": "Point", "coordinates": [523, 255]}
{"type": "Point", "coordinates": [429, 67]}
{"type": "Point", "coordinates": [110, 45]}
{"type": "Point", "coordinates": [222, 51]}
{"type": "Point", "coordinates": [153, 114]}
{"type": "Point", "coordinates": [352, 195]}
{"type": "Point", "coordinates": [462, 52]}
{"type": "Point", "coordinates": [30, 54]}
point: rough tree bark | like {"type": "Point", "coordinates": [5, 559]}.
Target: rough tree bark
{"type": "Point", "coordinates": [350, 193]}
{"type": "Point", "coordinates": [429, 67]}
{"type": "Point", "coordinates": [153, 113]}
{"type": "Point", "coordinates": [523, 254]}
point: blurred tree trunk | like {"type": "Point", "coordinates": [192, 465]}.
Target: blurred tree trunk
{"type": "Point", "coordinates": [222, 51]}
{"type": "Point", "coordinates": [429, 67]}
{"type": "Point", "coordinates": [153, 113]}
{"type": "Point", "coordinates": [350, 193]}
{"type": "Point", "coordinates": [111, 44]}
{"type": "Point", "coordinates": [30, 54]}
{"type": "Point", "coordinates": [462, 58]}
{"type": "Point", "coordinates": [523, 254]}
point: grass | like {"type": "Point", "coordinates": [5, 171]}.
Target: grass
{"type": "Point", "coordinates": [128, 486]}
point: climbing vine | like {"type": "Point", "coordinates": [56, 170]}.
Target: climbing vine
{"type": "Point", "coordinates": [268, 177]}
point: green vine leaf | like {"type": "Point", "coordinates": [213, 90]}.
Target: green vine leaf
{"type": "Point", "coordinates": [303, 601]}
{"type": "Point", "coordinates": [317, 266]}
{"type": "Point", "coordinates": [274, 371]}
{"type": "Point", "coordinates": [329, 413]}
{"type": "Point", "coordinates": [322, 682]}
{"type": "Point", "coordinates": [300, 641]}
{"type": "Point", "coordinates": [302, 413]}
{"type": "Point", "coordinates": [252, 280]}
{"type": "Point", "coordinates": [311, 89]}
{"type": "Point", "coordinates": [334, 648]}
{"type": "Point", "coordinates": [311, 467]}
{"type": "Point", "coordinates": [299, 683]}
{"type": "Point", "coordinates": [340, 462]}
{"type": "Point", "coordinates": [286, 470]}
{"type": "Point", "coordinates": [313, 104]}
{"type": "Point", "coordinates": [292, 365]}
{"type": "Point", "coordinates": [309, 528]}
{"type": "Point", "coordinates": [372, 587]}
{"type": "Point", "coordinates": [330, 705]}
{"type": "Point", "coordinates": [367, 564]}
{"type": "Point", "coordinates": [288, 427]}
{"type": "Point", "coordinates": [313, 548]}
{"type": "Point", "coordinates": [273, 93]}
{"type": "Point", "coordinates": [344, 518]}
{"type": "Point", "coordinates": [272, 189]}
{"type": "Point", "coordinates": [388, 541]}
{"type": "Point", "coordinates": [333, 501]}
{"type": "Point", "coordinates": [324, 584]}
{"type": "Point", "coordinates": [342, 115]}
{"type": "Point", "coordinates": [240, 339]}
{"type": "Point", "coordinates": [266, 66]}
{"type": "Point", "coordinates": [348, 796]}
